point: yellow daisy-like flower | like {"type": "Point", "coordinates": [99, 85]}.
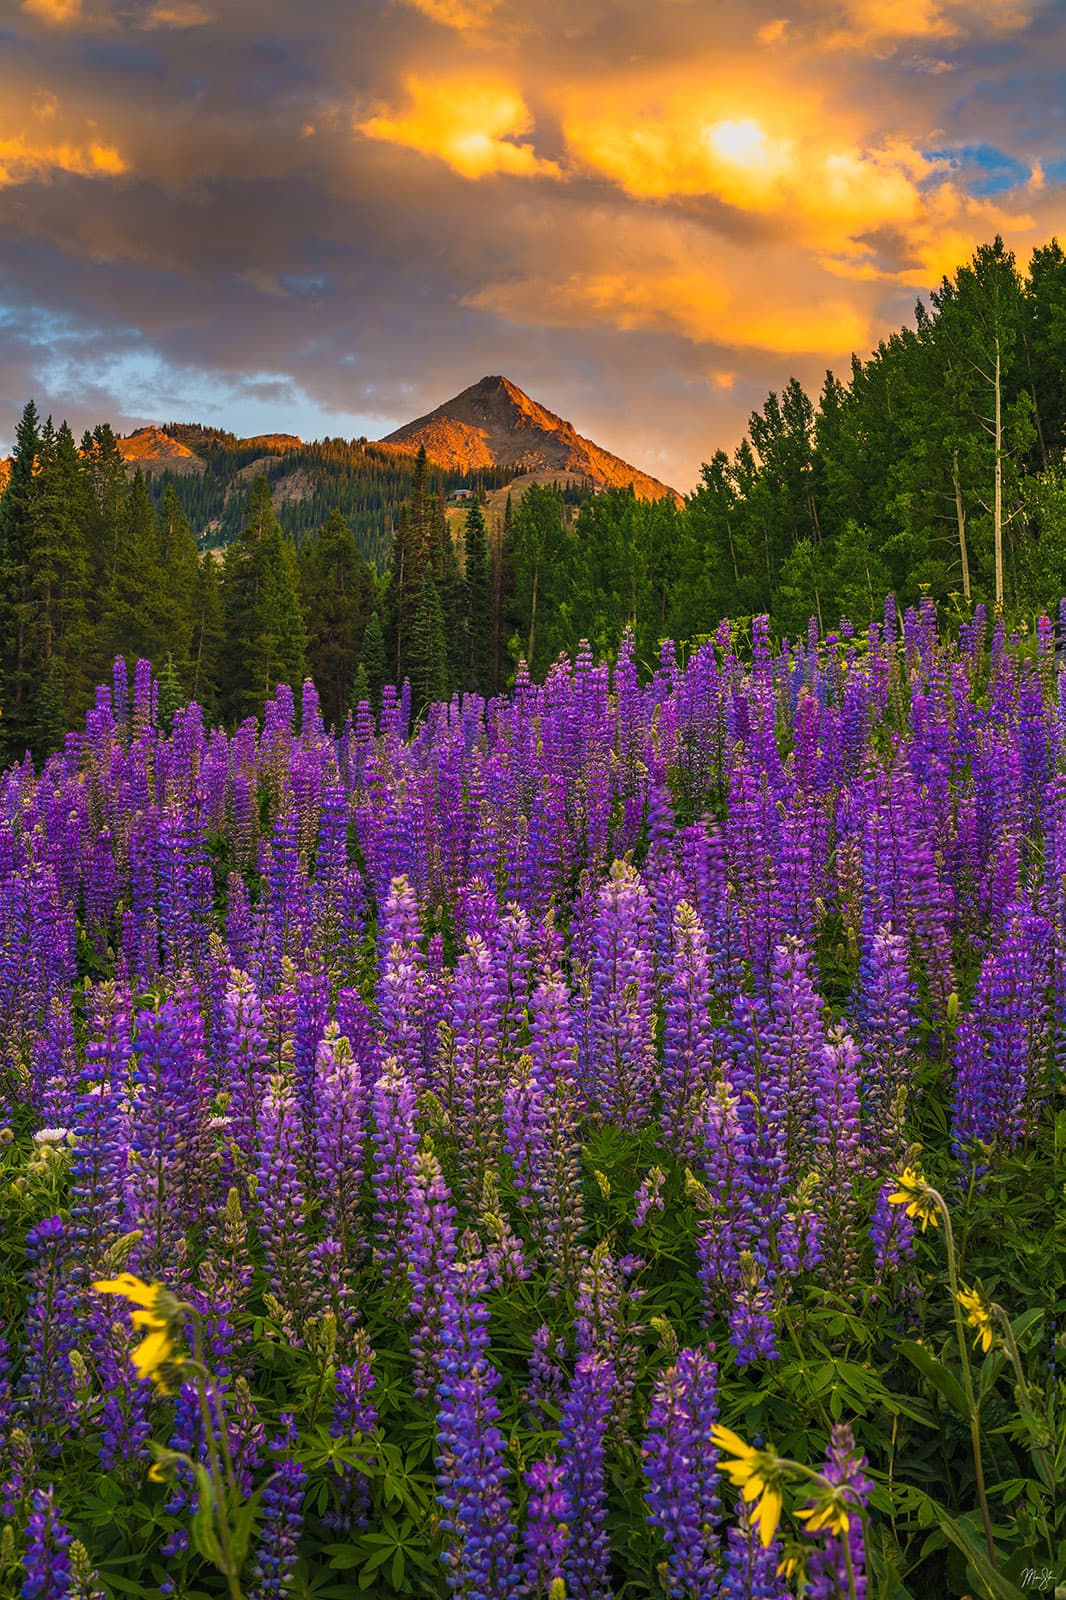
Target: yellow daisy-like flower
{"type": "Point", "coordinates": [135, 1290]}
{"type": "Point", "coordinates": [979, 1316]}
{"type": "Point", "coordinates": [752, 1472]}
{"type": "Point", "coordinates": [156, 1350]}
{"type": "Point", "coordinates": [914, 1193]}
{"type": "Point", "coordinates": [829, 1514]}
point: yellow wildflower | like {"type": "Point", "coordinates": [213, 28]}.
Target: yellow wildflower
{"type": "Point", "coordinates": [156, 1350]}
{"type": "Point", "coordinates": [130, 1288]}
{"type": "Point", "coordinates": [754, 1473]}
{"type": "Point", "coordinates": [829, 1514]}
{"type": "Point", "coordinates": [979, 1316]}
{"type": "Point", "coordinates": [915, 1194]}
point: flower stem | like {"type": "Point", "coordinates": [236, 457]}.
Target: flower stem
{"type": "Point", "coordinates": [960, 1332]}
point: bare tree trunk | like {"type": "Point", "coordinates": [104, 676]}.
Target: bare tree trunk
{"type": "Point", "coordinates": [998, 513]}
{"type": "Point", "coordinates": [960, 517]}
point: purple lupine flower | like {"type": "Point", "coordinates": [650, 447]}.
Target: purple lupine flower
{"type": "Point", "coordinates": [792, 1051]}
{"type": "Point", "coordinates": [165, 1134]}
{"type": "Point", "coordinates": [395, 1142]}
{"type": "Point", "coordinates": [886, 1006]}
{"type": "Point", "coordinates": [686, 1035]}
{"type": "Point", "coordinates": [681, 1470]}
{"type": "Point", "coordinates": [355, 1414]}
{"type": "Point", "coordinates": [546, 1387]}
{"type": "Point", "coordinates": [621, 1069]}
{"type": "Point", "coordinates": [836, 1153]}
{"type": "Point", "coordinates": [476, 1516]}
{"type": "Point", "coordinates": [281, 1204]}
{"type": "Point", "coordinates": [50, 1332]}
{"type": "Point", "coordinates": [279, 1537]}
{"type": "Point", "coordinates": [547, 1535]}
{"type": "Point", "coordinates": [476, 1086]}
{"type": "Point", "coordinates": [47, 1565]}
{"type": "Point", "coordinates": [605, 1323]}
{"type": "Point", "coordinates": [826, 1566]}
{"type": "Point", "coordinates": [340, 1117]}
{"type": "Point", "coordinates": [582, 1450]}
{"type": "Point", "coordinates": [98, 1160]}
{"type": "Point", "coordinates": [750, 1570]}
{"type": "Point", "coordinates": [246, 1066]}
{"type": "Point", "coordinates": [430, 1247]}
{"type": "Point", "coordinates": [650, 1196]}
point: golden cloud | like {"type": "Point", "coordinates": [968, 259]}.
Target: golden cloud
{"type": "Point", "coordinates": [56, 13]}
{"type": "Point", "coordinates": [182, 14]}
{"type": "Point", "coordinates": [869, 23]}
{"type": "Point", "coordinates": [671, 277]}
{"type": "Point", "coordinates": [22, 160]}
{"type": "Point", "coordinates": [464, 15]}
{"type": "Point", "coordinates": [468, 122]}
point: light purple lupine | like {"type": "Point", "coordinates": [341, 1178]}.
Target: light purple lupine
{"type": "Point", "coordinates": [621, 1069]}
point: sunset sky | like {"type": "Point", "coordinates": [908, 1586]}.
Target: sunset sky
{"type": "Point", "coordinates": [329, 216]}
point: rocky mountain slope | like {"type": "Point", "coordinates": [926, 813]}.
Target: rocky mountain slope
{"type": "Point", "coordinates": [495, 424]}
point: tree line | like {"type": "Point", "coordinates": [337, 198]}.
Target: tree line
{"type": "Point", "coordinates": [937, 468]}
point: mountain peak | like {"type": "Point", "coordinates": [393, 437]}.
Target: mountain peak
{"type": "Point", "coordinates": [494, 423]}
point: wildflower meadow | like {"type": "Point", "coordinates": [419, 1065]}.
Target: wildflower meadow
{"type": "Point", "coordinates": [601, 1141]}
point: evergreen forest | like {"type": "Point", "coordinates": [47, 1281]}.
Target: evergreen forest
{"type": "Point", "coordinates": [935, 468]}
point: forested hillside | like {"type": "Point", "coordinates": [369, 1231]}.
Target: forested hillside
{"type": "Point", "coordinates": [937, 468]}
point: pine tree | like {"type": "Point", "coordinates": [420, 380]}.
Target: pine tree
{"type": "Point", "coordinates": [59, 574]}
{"type": "Point", "coordinates": [410, 552]}
{"type": "Point", "coordinates": [171, 694]}
{"type": "Point", "coordinates": [264, 640]}
{"type": "Point", "coordinates": [17, 516]}
{"type": "Point", "coordinates": [372, 661]}
{"type": "Point", "coordinates": [337, 589]}
{"type": "Point", "coordinates": [477, 580]}
{"type": "Point", "coordinates": [180, 565]}
{"type": "Point", "coordinates": [205, 647]}
{"type": "Point", "coordinates": [429, 650]}
{"type": "Point", "coordinates": [131, 623]}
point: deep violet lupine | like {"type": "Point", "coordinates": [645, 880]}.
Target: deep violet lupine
{"type": "Point", "coordinates": [47, 1564]}
{"type": "Point", "coordinates": [355, 1415]}
{"type": "Point", "coordinates": [791, 1052]}
{"type": "Point", "coordinates": [837, 1156]}
{"type": "Point", "coordinates": [340, 1116]}
{"type": "Point", "coordinates": [546, 1534]}
{"type": "Point", "coordinates": [473, 1095]}
{"type": "Point", "coordinates": [395, 1142]}
{"type": "Point", "coordinates": [165, 1136]}
{"type": "Point", "coordinates": [885, 1006]}
{"type": "Point", "coordinates": [750, 1570]}
{"type": "Point", "coordinates": [582, 1452]}
{"type": "Point", "coordinates": [680, 1467]}
{"type": "Point", "coordinates": [279, 1536]}
{"type": "Point", "coordinates": [540, 1130]}
{"type": "Point", "coordinates": [246, 1069]}
{"type": "Point", "coordinates": [826, 1566]}
{"type": "Point", "coordinates": [430, 1247]}
{"type": "Point", "coordinates": [476, 1517]}
{"type": "Point", "coordinates": [621, 1070]}
{"type": "Point", "coordinates": [50, 1331]}
{"type": "Point", "coordinates": [98, 1160]}
{"type": "Point", "coordinates": [282, 1209]}
{"type": "Point", "coordinates": [687, 1055]}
